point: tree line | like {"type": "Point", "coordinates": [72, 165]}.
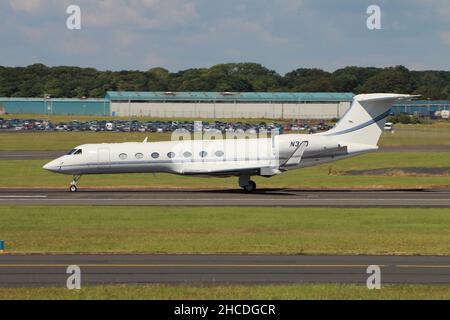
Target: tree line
{"type": "Point", "coordinates": [38, 80]}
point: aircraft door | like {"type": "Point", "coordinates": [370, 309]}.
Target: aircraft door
{"type": "Point", "coordinates": [104, 158]}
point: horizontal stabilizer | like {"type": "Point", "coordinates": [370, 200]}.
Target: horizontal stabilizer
{"type": "Point", "coordinates": [363, 123]}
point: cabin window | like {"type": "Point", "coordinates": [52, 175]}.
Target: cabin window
{"type": "Point", "coordinates": [139, 156]}
{"type": "Point", "coordinates": [78, 152]}
{"type": "Point", "coordinates": [171, 155]}
{"type": "Point", "coordinates": [155, 155]}
{"type": "Point", "coordinates": [123, 156]}
{"type": "Point", "coordinates": [187, 154]}
{"type": "Point", "coordinates": [219, 154]}
{"type": "Point", "coordinates": [203, 154]}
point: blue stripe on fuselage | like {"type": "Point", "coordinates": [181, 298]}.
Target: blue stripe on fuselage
{"type": "Point", "coordinates": [363, 125]}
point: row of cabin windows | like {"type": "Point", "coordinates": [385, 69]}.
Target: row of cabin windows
{"type": "Point", "coordinates": [171, 155]}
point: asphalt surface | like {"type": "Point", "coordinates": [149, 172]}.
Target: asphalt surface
{"type": "Point", "coordinates": [261, 198]}
{"type": "Point", "coordinates": [30, 155]}
{"type": "Point", "coordinates": [50, 270]}
{"type": "Point", "coordinates": [41, 155]}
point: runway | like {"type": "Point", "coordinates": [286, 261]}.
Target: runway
{"type": "Point", "coordinates": [50, 270]}
{"type": "Point", "coordinates": [214, 198]}
{"type": "Point", "coordinates": [30, 155]}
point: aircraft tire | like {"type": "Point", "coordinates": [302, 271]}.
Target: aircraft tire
{"type": "Point", "coordinates": [251, 187]}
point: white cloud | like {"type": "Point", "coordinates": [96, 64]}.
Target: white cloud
{"type": "Point", "coordinates": [234, 30]}
{"type": "Point", "coordinates": [180, 34]}
{"type": "Point", "coordinates": [28, 6]}
{"type": "Point", "coordinates": [151, 14]}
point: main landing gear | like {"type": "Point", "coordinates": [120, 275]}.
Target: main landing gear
{"type": "Point", "coordinates": [246, 184]}
{"type": "Point", "coordinates": [73, 184]}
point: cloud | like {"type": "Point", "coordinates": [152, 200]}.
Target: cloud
{"type": "Point", "coordinates": [179, 34]}
{"type": "Point", "coordinates": [234, 30]}
{"type": "Point", "coordinates": [148, 14]}
{"type": "Point", "coordinates": [28, 6]}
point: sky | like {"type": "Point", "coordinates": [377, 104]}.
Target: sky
{"type": "Point", "coordinates": [283, 35]}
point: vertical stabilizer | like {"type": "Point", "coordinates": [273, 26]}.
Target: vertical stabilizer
{"type": "Point", "coordinates": [364, 121]}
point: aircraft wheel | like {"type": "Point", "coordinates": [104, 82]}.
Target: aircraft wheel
{"type": "Point", "coordinates": [73, 189]}
{"type": "Point", "coordinates": [251, 187]}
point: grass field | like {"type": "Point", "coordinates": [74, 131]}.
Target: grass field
{"type": "Point", "coordinates": [22, 173]}
{"type": "Point", "coordinates": [71, 229]}
{"type": "Point", "coordinates": [257, 292]}
{"type": "Point", "coordinates": [48, 141]}
{"type": "Point", "coordinates": [436, 134]}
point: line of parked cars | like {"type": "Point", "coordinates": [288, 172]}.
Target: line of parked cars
{"type": "Point", "coordinates": [155, 126]}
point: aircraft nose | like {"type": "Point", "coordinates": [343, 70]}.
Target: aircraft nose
{"type": "Point", "coordinates": [52, 166]}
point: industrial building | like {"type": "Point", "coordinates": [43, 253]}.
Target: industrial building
{"type": "Point", "coordinates": [421, 107]}
{"type": "Point", "coordinates": [209, 105]}
{"type": "Point", "coordinates": [245, 105]}
{"type": "Point", "coordinates": [49, 106]}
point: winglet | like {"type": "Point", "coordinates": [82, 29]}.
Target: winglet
{"type": "Point", "coordinates": [145, 140]}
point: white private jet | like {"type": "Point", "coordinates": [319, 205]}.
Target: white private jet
{"type": "Point", "coordinates": [357, 132]}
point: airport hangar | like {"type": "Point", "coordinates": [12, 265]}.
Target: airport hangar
{"type": "Point", "coordinates": [208, 105]}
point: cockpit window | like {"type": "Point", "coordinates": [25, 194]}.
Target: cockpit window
{"type": "Point", "coordinates": [71, 151]}
{"type": "Point", "coordinates": [78, 152]}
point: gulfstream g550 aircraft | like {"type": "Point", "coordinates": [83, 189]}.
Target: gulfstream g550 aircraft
{"type": "Point", "coordinates": [357, 132]}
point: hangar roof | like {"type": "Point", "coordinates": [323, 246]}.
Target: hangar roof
{"type": "Point", "coordinates": [422, 103]}
{"type": "Point", "coordinates": [5, 99]}
{"type": "Point", "coordinates": [230, 96]}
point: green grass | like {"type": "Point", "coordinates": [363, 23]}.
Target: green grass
{"type": "Point", "coordinates": [266, 292]}
{"type": "Point", "coordinates": [436, 134]}
{"type": "Point", "coordinates": [23, 173]}
{"type": "Point", "coordinates": [49, 141]}
{"type": "Point", "coordinates": [99, 229]}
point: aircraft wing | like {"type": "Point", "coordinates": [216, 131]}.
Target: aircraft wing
{"type": "Point", "coordinates": [296, 157]}
{"type": "Point", "coordinates": [227, 169]}
{"type": "Point", "coordinates": [263, 168]}
{"type": "Point", "coordinates": [223, 173]}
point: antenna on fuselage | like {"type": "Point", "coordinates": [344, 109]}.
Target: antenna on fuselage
{"type": "Point", "coordinates": [145, 140]}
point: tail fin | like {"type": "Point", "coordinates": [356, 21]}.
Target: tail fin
{"type": "Point", "coordinates": [364, 121]}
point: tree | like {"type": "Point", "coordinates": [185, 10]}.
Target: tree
{"type": "Point", "coordinates": [37, 79]}
{"type": "Point", "coordinates": [397, 79]}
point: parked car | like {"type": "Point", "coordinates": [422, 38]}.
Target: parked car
{"type": "Point", "coordinates": [389, 126]}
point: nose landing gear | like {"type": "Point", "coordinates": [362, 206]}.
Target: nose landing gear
{"type": "Point", "coordinates": [73, 185]}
